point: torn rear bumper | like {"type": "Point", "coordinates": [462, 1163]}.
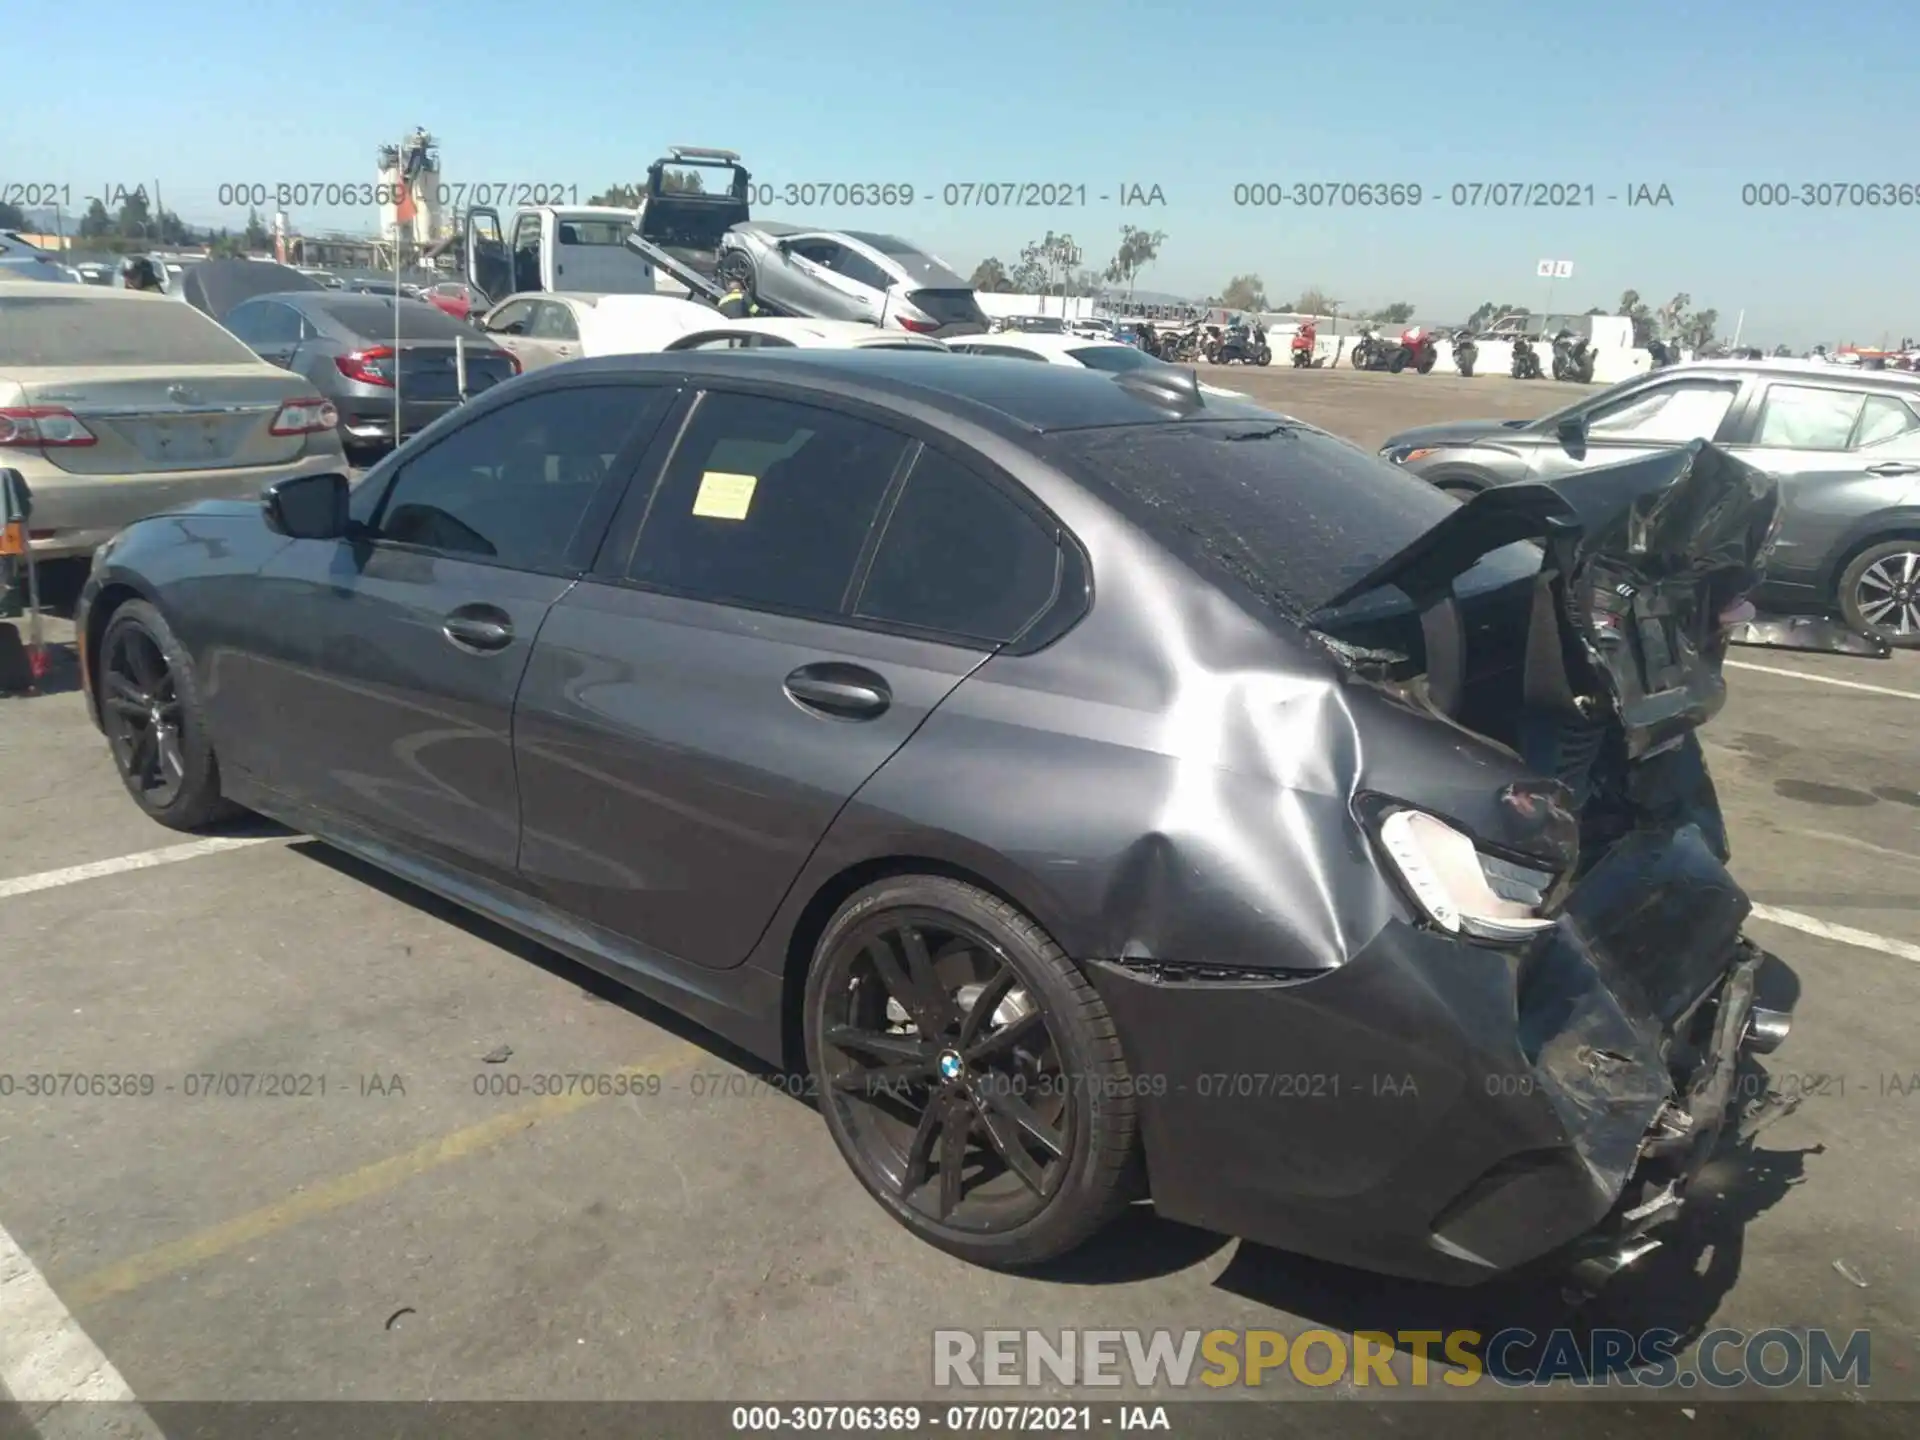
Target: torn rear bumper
{"type": "Point", "coordinates": [1449, 1112]}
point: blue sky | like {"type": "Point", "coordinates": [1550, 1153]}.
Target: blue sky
{"type": "Point", "coordinates": [1196, 97]}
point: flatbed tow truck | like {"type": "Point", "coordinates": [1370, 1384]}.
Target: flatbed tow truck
{"type": "Point", "coordinates": [675, 232]}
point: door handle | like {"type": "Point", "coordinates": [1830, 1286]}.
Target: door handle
{"type": "Point", "coordinates": [478, 627]}
{"type": "Point", "coordinates": [847, 692]}
{"type": "Point", "coordinates": [1893, 467]}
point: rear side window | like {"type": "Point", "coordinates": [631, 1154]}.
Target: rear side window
{"type": "Point", "coordinates": [960, 557]}
{"type": "Point", "coordinates": [1883, 418]}
{"type": "Point", "coordinates": [42, 330]}
{"type": "Point", "coordinates": [766, 503]}
{"type": "Point", "coordinates": [514, 486]}
{"type": "Point", "coordinates": [858, 268]}
{"type": "Point", "coordinates": [1808, 417]}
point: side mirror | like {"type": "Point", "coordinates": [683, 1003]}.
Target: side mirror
{"type": "Point", "coordinates": [1573, 432]}
{"type": "Point", "coordinates": [308, 507]}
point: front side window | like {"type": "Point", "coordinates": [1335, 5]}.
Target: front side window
{"type": "Point", "coordinates": [766, 503]}
{"type": "Point", "coordinates": [554, 321]}
{"type": "Point", "coordinates": [1667, 414]}
{"type": "Point", "coordinates": [513, 487]}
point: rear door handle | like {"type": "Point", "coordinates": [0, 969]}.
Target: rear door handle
{"type": "Point", "coordinates": [846, 692]}
{"type": "Point", "coordinates": [1893, 467]}
{"type": "Point", "coordinates": [478, 627]}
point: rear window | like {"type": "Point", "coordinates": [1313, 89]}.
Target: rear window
{"type": "Point", "coordinates": [42, 330]}
{"type": "Point", "coordinates": [371, 318]}
{"type": "Point", "coordinates": [920, 268]}
{"type": "Point", "coordinates": [595, 232]}
{"type": "Point", "coordinates": [1278, 514]}
{"type": "Point", "coordinates": [1114, 359]}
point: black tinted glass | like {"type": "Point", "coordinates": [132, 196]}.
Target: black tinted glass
{"type": "Point", "coordinates": [372, 318]}
{"type": "Point", "coordinates": [1278, 513]}
{"type": "Point", "coordinates": [514, 486]}
{"type": "Point", "coordinates": [766, 503]}
{"type": "Point", "coordinates": [960, 557]}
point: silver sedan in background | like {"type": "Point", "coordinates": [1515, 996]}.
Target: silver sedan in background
{"type": "Point", "coordinates": [850, 275]}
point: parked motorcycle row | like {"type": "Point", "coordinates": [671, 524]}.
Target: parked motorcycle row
{"type": "Point", "coordinates": [1244, 344]}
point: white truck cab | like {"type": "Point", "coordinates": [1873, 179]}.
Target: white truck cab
{"type": "Point", "coordinates": [545, 248]}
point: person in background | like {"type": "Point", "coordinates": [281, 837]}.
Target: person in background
{"type": "Point", "coordinates": [737, 304]}
{"type": "Point", "coordinates": [140, 273]}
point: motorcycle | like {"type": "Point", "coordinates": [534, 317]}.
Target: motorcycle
{"type": "Point", "coordinates": [1305, 339]}
{"type": "Point", "coordinates": [1244, 345]}
{"type": "Point", "coordinates": [1210, 340]}
{"type": "Point", "coordinates": [1572, 357]}
{"type": "Point", "coordinates": [1373, 353]}
{"type": "Point", "coordinates": [1179, 346]}
{"type": "Point", "coordinates": [1465, 352]}
{"type": "Point", "coordinates": [1663, 354]}
{"type": "Point", "coordinates": [1526, 360]}
{"type": "Point", "coordinates": [1417, 341]}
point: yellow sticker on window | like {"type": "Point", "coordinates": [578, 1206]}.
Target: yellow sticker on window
{"type": "Point", "coordinates": [724, 496]}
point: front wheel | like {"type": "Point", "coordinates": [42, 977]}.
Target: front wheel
{"type": "Point", "coordinates": [1425, 367]}
{"type": "Point", "coordinates": [1880, 592]}
{"type": "Point", "coordinates": [1465, 368]}
{"type": "Point", "coordinates": [1397, 363]}
{"type": "Point", "coordinates": [1360, 358]}
{"type": "Point", "coordinates": [156, 721]}
{"type": "Point", "coordinates": [1263, 356]}
{"type": "Point", "coordinates": [968, 1072]}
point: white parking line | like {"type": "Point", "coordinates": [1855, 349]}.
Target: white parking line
{"type": "Point", "coordinates": [1822, 679]}
{"type": "Point", "coordinates": [145, 860]}
{"type": "Point", "coordinates": [1839, 934]}
{"type": "Point", "coordinates": [46, 1359]}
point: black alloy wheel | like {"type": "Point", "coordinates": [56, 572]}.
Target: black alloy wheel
{"type": "Point", "coordinates": [155, 725]}
{"type": "Point", "coordinates": [733, 269]}
{"type": "Point", "coordinates": [968, 1072]}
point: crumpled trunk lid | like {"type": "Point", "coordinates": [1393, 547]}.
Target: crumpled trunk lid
{"type": "Point", "coordinates": [1640, 560]}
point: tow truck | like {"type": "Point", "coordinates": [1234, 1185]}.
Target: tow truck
{"type": "Point", "coordinates": [609, 250]}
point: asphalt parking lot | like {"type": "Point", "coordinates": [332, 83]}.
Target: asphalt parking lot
{"type": "Point", "coordinates": [408, 1220]}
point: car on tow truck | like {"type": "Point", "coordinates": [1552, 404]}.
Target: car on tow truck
{"type": "Point", "coordinates": [1099, 788]}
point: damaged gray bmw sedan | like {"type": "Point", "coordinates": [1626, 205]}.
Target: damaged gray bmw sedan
{"type": "Point", "coordinates": [1098, 787]}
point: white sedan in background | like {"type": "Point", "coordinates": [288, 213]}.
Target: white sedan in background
{"type": "Point", "coordinates": [1112, 356]}
{"type": "Point", "coordinates": [550, 327]}
{"type": "Point", "coordinates": [782, 333]}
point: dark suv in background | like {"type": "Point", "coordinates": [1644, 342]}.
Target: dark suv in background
{"type": "Point", "coordinates": [1844, 445]}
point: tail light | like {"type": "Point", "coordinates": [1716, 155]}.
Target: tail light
{"type": "Point", "coordinates": [918, 327]}
{"type": "Point", "coordinates": [304, 417]}
{"type": "Point", "coordinates": [44, 427]}
{"type": "Point", "coordinates": [1461, 889]}
{"type": "Point", "coordinates": [373, 366]}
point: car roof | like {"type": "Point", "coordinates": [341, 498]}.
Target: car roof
{"type": "Point", "coordinates": [978, 387]}
{"type": "Point", "coordinates": [83, 293]}
{"type": "Point", "coordinates": [1811, 369]}
{"type": "Point", "coordinates": [827, 332]}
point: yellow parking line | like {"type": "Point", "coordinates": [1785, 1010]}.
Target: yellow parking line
{"type": "Point", "coordinates": [383, 1175]}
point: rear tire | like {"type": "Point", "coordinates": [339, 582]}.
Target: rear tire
{"type": "Point", "coordinates": [1425, 367]}
{"type": "Point", "coordinates": [156, 721]}
{"type": "Point", "coordinates": [1880, 591]}
{"type": "Point", "coordinates": [1048, 1204]}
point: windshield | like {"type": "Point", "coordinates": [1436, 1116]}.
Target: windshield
{"type": "Point", "coordinates": [47, 331]}
{"type": "Point", "coordinates": [1282, 516]}
{"type": "Point", "coordinates": [1114, 359]}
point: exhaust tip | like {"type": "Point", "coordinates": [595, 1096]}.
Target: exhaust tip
{"type": "Point", "coordinates": [1590, 1275]}
{"type": "Point", "coordinates": [1767, 1030]}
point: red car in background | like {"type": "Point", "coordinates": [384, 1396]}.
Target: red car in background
{"type": "Point", "coordinates": [455, 297]}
